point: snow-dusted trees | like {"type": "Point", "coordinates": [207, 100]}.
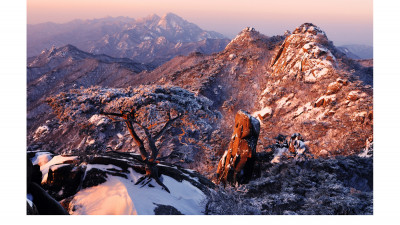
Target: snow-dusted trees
{"type": "Point", "coordinates": [149, 112]}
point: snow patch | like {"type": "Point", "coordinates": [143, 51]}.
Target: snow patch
{"type": "Point", "coordinates": [109, 198]}
{"type": "Point", "coordinates": [321, 73]}
{"type": "Point", "coordinates": [41, 158]}
{"type": "Point", "coordinates": [263, 113]}
{"type": "Point", "coordinates": [58, 166]}
{"type": "Point", "coordinates": [55, 160]}
{"type": "Point", "coordinates": [40, 131]}
{"type": "Point", "coordinates": [29, 202]}
{"type": "Point", "coordinates": [120, 196]}
{"type": "Point", "coordinates": [98, 120]}
{"type": "Point", "coordinates": [120, 136]}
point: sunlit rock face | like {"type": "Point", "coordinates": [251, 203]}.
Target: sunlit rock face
{"type": "Point", "coordinates": [237, 163]}
{"type": "Point", "coordinates": [293, 83]}
{"type": "Point", "coordinates": [305, 53]}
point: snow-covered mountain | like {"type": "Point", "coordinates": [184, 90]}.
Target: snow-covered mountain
{"type": "Point", "coordinates": [63, 68]}
{"type": "Point", "coordinates": [298, 82]}
{"type": "Point", "coordinates": [151, 39]}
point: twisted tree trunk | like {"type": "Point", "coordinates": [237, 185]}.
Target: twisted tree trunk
{"type": "Point", "coordinates": [150, 162]}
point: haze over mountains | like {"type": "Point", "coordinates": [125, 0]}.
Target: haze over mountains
{"type": "Point", "coordinates": [357, 51]}
{"type": "Point", "coordinates": [152, 39]}
{"type": "Point", "coordinates": [298, 87]}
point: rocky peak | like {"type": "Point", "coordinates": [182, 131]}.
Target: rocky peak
{"type": "Point", "coordinates": [171, 20]}
{"type": "Point", "coordinates": [246, 36]}
{"type": "Point", "coordinates": [308, 28]}
{"type": "Point", "coordinates": [306, 53]}
{"type": "Point", "coordinates": [150, 19]}
{"type": "Point", "coordinates": [68, 54]}
{"type": "Point", "coordinates": [56, 53]}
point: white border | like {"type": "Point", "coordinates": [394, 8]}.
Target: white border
{"type": "Point", "coordinates": [386, 131]}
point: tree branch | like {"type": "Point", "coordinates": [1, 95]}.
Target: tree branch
{"type": "Point", "coordinates": [111, 114]}
{"type": "Point", "coordinates": [152, 144]}
{"type": "Point", "coordinates": [128, 117]}
{"type": "Point", "coordinates": [138, 141]}
{"type": "Point", "coordinates": [166, 126]}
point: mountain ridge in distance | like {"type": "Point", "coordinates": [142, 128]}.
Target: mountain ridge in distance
{"type": "Point", "coordinates": [357, 51]}
{"type": "Point", "coordinates": [67, 67]}
{"type": "Point", "coordinates": [151, 39]}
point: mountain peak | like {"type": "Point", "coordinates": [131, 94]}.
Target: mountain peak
{"type": "Point", "coordinates": [171, 20]}
{"type": "Point", "coordinates": [69, 47]}
{"type": "Point", "coordinates": [171, 15]}
{"type": "Point", "coordinates": [57, 53]}
{"type": "Point", "coordinates": [308, 28]}
{"type": "Point", "coordinates": [306, 51]}
{"type": "Point", "coordinates": [150, 18]}
{"type": "Point", "coordinates": [249, 29]}
{"type": "Point", "coordinates": [247, 35]}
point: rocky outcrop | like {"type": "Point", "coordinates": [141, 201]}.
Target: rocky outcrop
{"type": "Point", "coordinates": [334, 87]}
{"type": "Point", "coordinates": [107, 184]}
{"type": "Point", "coordinates": [369, 148]}
{"type": "Point", "coordinates": [39, 202]}
{"type": "Point", "coordinates": [332, 186]}
{"type": "Point", "coordinates": [237, 163]}
{"type": "Point", "coordinates": [63, 180]}
{"type": "Point", "coordinates": [353, 95]}
{"type": "Point", "coordinates": [290, 147]}
{"type": "Point", "coordinates": [324, 100]}
{"type": "Point", "coordinates": [304, 53]}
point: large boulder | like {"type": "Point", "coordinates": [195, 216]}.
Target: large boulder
{"type": "Point", "coordinates": [38, 200]}
{"type": "Point", "coordinates": [63, 180]}
{"type": "Point", "coordinates": [237, 163]}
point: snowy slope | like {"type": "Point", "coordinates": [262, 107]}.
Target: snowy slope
{"type": "Point", "coordinates": [119, 196]}
{"type": "Point", "coordinates": [107, 186]}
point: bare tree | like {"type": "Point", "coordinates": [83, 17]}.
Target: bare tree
{"type": "Point", "coordinates": [129, 118]}
{"type": "Point", "coordinates": [148, 112]}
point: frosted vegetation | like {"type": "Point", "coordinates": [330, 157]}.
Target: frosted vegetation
{"type": "Point", "coordinates": [130, 150]}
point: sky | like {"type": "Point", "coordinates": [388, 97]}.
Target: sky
{"type": "Point", "coordinates": [344, 21]}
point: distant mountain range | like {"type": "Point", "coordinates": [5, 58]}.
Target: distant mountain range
{"type": "Point", "coordinates": [357, 51]}
{"type": "Point", "coordinates": [152, 39]}
{"type": "Point", "coordinates": [67, 67]}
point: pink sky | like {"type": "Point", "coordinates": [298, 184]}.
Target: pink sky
{"type": "Point", "coordinates": [344, 21]}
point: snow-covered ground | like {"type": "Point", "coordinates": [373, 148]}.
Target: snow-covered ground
{"type": "Point", "coordinates": [56, 160]}
{"type": "Point", "coordinates": [120, 196]}
{"type": "Point", "coordinates": [41, 158]}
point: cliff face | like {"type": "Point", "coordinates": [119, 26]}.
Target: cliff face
{"type": "Point", "coordinates": [295, 83]}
